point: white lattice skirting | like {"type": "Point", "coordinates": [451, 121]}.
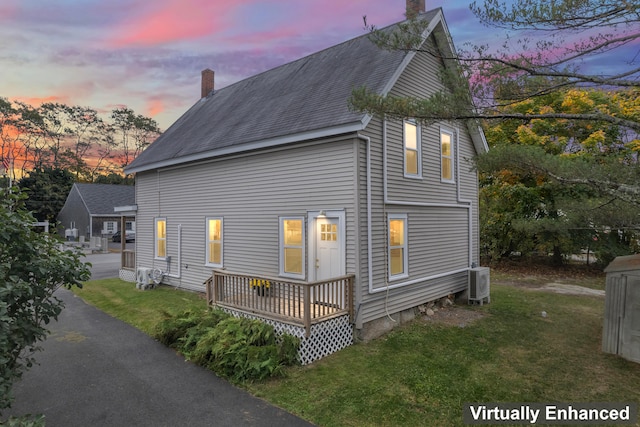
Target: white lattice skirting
{"type": "Point", "coordinates": [325, 338]}
{"type": "Point", "coordinates": [127, 275]}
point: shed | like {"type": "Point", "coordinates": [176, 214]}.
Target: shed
{"type": "Point", "coordinates": [621, 326]}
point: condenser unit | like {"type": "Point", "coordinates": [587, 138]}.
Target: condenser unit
{"type": "Point", "coordinates": [144, 279]}
{"type": "Point", "coordinates": [479, 289]}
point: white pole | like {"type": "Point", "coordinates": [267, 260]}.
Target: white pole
{"type": "Point", "coordinates": [9, 173]}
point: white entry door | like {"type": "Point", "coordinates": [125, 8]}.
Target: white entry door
{"type": "Point", "coordinates": [328, 248]}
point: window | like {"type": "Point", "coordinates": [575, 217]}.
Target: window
{"type": "Point", "coordinates": [329, 232]}
{"type": "Point", "coordinates": [109, 227]}
{"type": "Point", "coordinates": [161, 237]}
{"type": "Point", "coordinates": [446, 152]}
{"type": "Point", "coordinates": [292, 247]}
{"type": "Point", "coordinates": [412, 157]}
{"type": "Point", "coordinates": [214, 242]}
{"type": "Point", "coordinates": [398, 264]}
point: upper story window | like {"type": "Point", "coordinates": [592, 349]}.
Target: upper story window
{"type": "Point", "coordinates": [412, 151]}
{"type": "Point", "coordinates": [446, 155]}
{"type": "Point", "coordinates": [161, 238]}
{"type": "Point", "coordinates": [214, 242]}
{"type": "Point", "coordinates": [292, 258]}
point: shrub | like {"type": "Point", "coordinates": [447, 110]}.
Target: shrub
{"type": "Point", "coordinates": [32, 267]}
{"type": "Point", "coordinates": [238, 349]}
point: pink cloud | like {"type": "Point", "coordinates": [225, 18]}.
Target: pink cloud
{"type": "Point", "coordinates": [172, 20]}
{"type": "Point", "coordinates": [154, 107]}
{"type": "Point", "coordinates": [37, 101]}
{"type": "Point", "coordinates": [8, 9]}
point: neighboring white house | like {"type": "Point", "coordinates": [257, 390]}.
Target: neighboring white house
{"type": "Point", "coordinates": [273, 180]}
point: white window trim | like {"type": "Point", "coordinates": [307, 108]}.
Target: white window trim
{"type": "Point", "coordinates": [207, 241]}
{"type": "Point", "coordinates": [105, 227]}
{"type": "Point", "coordinates": [155, 238]}
{"type": "Point", "coordinates": [452, 135]}
{"type": "Point", "coordinates": [281, 247]}
{"type": "Point", "coordinates": [405, 246]}
{"type": "Point", "coordinates": [418, 150]}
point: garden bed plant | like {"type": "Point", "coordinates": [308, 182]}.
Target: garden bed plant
{"type": "Point", "coordinates": [236, 348]}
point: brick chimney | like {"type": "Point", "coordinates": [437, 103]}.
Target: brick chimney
{"type": "Point", "coordinates": [207, 82]}
{"type": "Point", "coordinates": [415, 7]}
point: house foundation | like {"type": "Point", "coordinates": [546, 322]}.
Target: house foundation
{"type": "Point", "coordinates": [377, 328]}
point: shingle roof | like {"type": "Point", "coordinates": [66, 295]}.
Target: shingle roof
{"type": "Point", "coordinates": [100, 199]}
{"type": "Point", "coordinates": [301, 97]}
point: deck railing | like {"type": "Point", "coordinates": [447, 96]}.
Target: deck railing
{"type": "Point", "coordinates": [303, 303]}
{"type": "Point", "coordinates": [128, 259]}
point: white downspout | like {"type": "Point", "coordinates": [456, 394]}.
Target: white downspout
{"type": "Point", "coordinates": [166, 273]}
{"type": "Point", "coordinates": [464, 201]}
{"type": "Point", "coordinates": [367, 140]}
{"type": "Point", "coordinates": [179, 275]}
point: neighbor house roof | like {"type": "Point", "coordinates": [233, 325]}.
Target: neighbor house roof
{"type": "Point", "coordinates": [100, 199]}
{"type": "Point", "coordinates": [301, 100]}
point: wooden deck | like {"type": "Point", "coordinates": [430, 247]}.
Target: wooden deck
{"type": "Point", "coordinates": [297, 302]}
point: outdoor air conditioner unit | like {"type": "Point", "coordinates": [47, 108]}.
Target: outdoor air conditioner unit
{"type": "Point", "coordinates": [479, 289]}
{"type": "Point", "coordinates": [143, 278]}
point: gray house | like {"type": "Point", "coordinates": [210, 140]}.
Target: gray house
{"type": "Point", "coordinates": [281, 203]}
{"type": "Point", "coordinates": [89, 210]}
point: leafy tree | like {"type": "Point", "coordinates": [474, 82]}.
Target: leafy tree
{"type": "Point", "coordinates": [526, 207]}
{"type": "Point", "coordinates": [20, 140]}
{"type": "Point", "coordinates": [32, 267]}
{"type": "Point", "coordinates": [480, 84]}
{"type": "Point", "coordinates": [481, 79]}
{"type": "Point", "coordinates": [47, 190]}
{"type": "Point", "coordinates": [114, 178]}
{"type": "Point", "coordinates": [75, 138]}
{"type": "Point", "coordinates": [596, 132]}
{"type": "Point", "coordinates": [84, 131]}
{"type": "Point", "coordinates": [133, 133]}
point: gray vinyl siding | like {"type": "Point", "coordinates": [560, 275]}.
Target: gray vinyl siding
{"type": "Point", "coordinates": [74, 210]}
{"type": "Point", "coordinates": [438, 215]}
{"type": "Point", "coordinates": [250, 193]}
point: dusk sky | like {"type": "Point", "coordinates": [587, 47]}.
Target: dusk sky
{"type": "Point", "coordinates": [148, 55]}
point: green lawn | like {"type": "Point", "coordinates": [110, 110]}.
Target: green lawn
{"type": "Point", "coordinates": [423, 372]}
{"type": "Point", "coordinates": [142, 309]}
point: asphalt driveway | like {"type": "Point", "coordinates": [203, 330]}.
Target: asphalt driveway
{"type": "Point", "coordinates": [98, 371]}
{"type": "Point", "coordinates": [104, 266]}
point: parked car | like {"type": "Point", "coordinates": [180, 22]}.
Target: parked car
{"type": "Point", "coordinates": [130, 236]}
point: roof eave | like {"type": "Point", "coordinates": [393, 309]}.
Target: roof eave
{"type": "Point", "coordinates": [477, 136]}
{"type": "Point", "coordinates": [257, 145]}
